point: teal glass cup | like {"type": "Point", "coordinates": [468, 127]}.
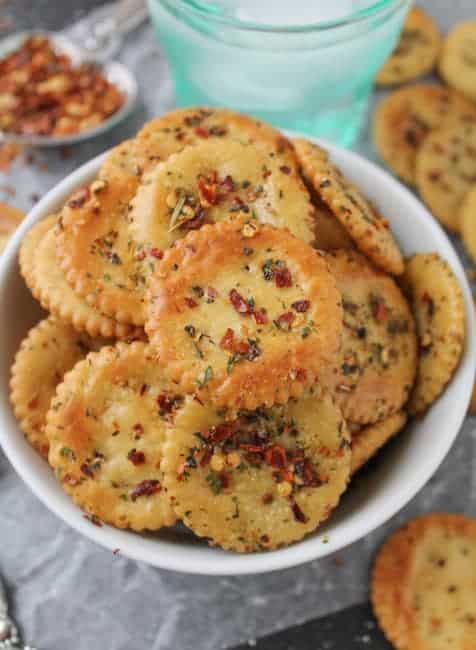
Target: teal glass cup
{"type": "Point", "coordinates": [315, 78]}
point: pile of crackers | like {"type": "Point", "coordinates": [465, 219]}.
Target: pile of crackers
{"type": "Point", "coordinates": [232, 333]}
{"type": "Point", "coordinates": [426, 133]}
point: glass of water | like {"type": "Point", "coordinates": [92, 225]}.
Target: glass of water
{"type": "Point", "coordinates": [306, 65]}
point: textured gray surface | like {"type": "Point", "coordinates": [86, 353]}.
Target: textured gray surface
{"type": "Point", "coordinates": [67, 592]}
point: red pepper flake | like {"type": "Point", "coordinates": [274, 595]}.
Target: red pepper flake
{"type": "Point", "coordinates": [201, 132]}
{"type": "Point", "coordinates": [206, 456]}
{"type": "Point", "coordinates": [143, 389]}
{"type": "Point", "coordinates": [79, 198]}
{"type": "Point", "coordinates": [34, 403]}
{"type": "Point", "coordinates": [136, 457]}
{"type": "Point", "coordinates": [284, 321]}
{"type": "Point", "coordinates": [212, 293]}
{"type": "Point", "coordinates": [87, 470]}
{"type": "Point", "coordinates": [260, 317]}
{"type": "Point", "coordinates": [301, 306]}
{"type": "Point", "coordinates": [239, 303]}
{"type": "Point", "coordinates": [379, 310]}
{"type": "Point", "coordinates": [220, 432]}
{"type": "Point", "coordinates": [228, 340]}
{"type": "Point", "coordinates": [157, 253]}
{"type": "Point", "coordinates": [267, 498]}
{"type": "Point", "coordinates": [190, 302]}
{"type": "Point", "coordinates": [138, 430]}
{"type": "Point", "coordinates": [282, 277]}
{"type": "Point", "coordinates": [285, 169]}
{"type": "Point", "coordinates": [309, 475]}
{"type": "Point", "coordinates": [250, 448]}
{"type": "Point", "coordinates": [208, 187]}
{"type": "Point", "coordinates": [300, 374]}
{"type": "Point", "coordinates": [297, 512]}
{"type": "Point", "coordinates": [276, 456]}
{"type": "Point", "coordinates": [146, 489]}
{"type": "Point", "coordinates": [166, 403]}
{"type": "Point", "coordinates": [228, 184]}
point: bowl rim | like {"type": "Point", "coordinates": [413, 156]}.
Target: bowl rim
{"type": "Point", "coordinates": [176, 556]}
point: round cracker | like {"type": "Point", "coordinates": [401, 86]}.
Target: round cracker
{"type": "Point", "coordinates": [261, 480]}
{"type": "Point", "coordinates": [171, 133]}
{"type": "Point", "coordinates": [244, 312]}
{"type": "Point", "coordinates": [369, 230]}
{"type": "Point", "coordinates": [438, 307]}
{"type": "Point", "coordinates": [446, 170]}
{"type": "Point", "coordinates": [370, 439]}
{"type": "Point", "coordinates": [94, 244]}
{"type": "Point", "coordinates": [416, 52]}
{"type": "Point", "coordinates": [329, 234]}
{"type": "Point", "coordinates": [457, 63]}
{"type": "Point", "coordinates": [377, 363]}
{"type": "Point", "coordinates": [215, 181]}
{"type": "Point", "coordinates": [10, 218]}
{"type": "Point", "coordinates": [467, 221]}
{"type": "Point", "coordinates": [106, 429]}
{"type": "Point", "coordinates": [42, 273]}
{"type": "Point", "coordinates": [405, 118]}
{"type": "Point", "coordinates": [423, 584]}
{"type": "Point", "coordinates": [49, 350]}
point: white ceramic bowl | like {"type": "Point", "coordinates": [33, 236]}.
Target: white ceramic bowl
{"type": "Point", "coordinates": [377, 496]}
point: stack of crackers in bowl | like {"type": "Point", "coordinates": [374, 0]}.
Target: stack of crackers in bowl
{"type": "Point", "coordinates": [232, 333]}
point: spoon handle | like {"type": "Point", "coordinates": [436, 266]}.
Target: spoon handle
{"type": "Point", "coordinates": [100, 33]}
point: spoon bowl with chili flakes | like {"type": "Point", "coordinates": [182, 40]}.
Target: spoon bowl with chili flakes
{"type": "Point", "coordinates": [50, 95]}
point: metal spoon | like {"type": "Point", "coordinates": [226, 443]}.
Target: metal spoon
{"type": "Point", "coordinates": [9, 637]}
{"type": "Point", "coordinates": [95, 38]}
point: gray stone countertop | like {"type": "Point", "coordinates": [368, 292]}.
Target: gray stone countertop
{"type": "Point", "coordinates": [69, 593]}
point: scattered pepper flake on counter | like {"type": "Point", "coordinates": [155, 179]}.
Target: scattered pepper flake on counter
{"type": "Point", "coordinates": [43, 94]}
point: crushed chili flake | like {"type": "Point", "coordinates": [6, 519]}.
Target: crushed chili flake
{"type": "Point", "coordinates": [228, 340]}
{"type": "Point", "coordinates": [297, 512]}
{"type": "Point", "coordinates": [136, 457]}
{"type": "Point", "coordinates": [379, 310]}
{"type": "Point", "coordinates": [285, 169]}
{"type": "Point", "coordinates": [285, 321]}
{"type": "Point", "coordinates": [260, 317]}
{"type": "Point", "coordinates": [157, 253]}
{"type": "Point", "coordinates": [239, 303]}
{"type": "Point", "coordinates": [146, 489]}
{"type": "Point", "coordinates": [138, 430]}
{"type": "Point", "coordinates": [87, 469]}
{"type": "Point", "coordinates": [190, 302]}
{"type": "Point", "coordinates": [44, 94]}
{"type": "Point", "coordinates": [301, 306]}
{"type": "Point", "coordinates": [282, 277]}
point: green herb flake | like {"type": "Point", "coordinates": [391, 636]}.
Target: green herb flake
{"type": "Point", "coordinates": [214, 481]}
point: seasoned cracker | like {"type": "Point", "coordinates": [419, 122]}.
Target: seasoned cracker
{"type": "Point", "coordinates": [217, 181]}
{"type": "Point", "coordinates": [10, 218]}
{"type": "Point", "coordinates": [370, 439]}
{"type": "Point", "coordinates": [377, 362]}
{"type": "Point", "coordinates": [438, 306]}
{"type": "Point", "coordinates": [106, 429]}
{"type": "Point", "coordinates": [45, 279]}
{"type": "Point", "coordinates": [244, 312]}
{"type": "Point", "coordinates": [424, 584]}
{"type": "Point", "coordinates": [260, 480]}
{"type": "Point", "coordinates": [94, 246]}
{"type": "Point", "coordinates": [329, 233]}
{"type": "Point", "coordinates": [50, 349]}
{"type": "Point", "coordinates": [170, 133]}
{"type": "Point", "coordinates": [467, 221]}
{"type": "Point", "coordinates": [446, 171]}
{"type": "Point", "coordinates": [416, 52]}
{"type": "Point", "coordinates": [457, 63]}
{"type": "Point", "coordinates": [368, 229]}
{"type": "Point", "coordinates": [405, 118]}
